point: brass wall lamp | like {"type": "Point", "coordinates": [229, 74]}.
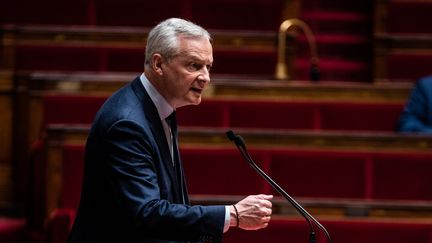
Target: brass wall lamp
{"type": "Point", "coordinates": [281, 66]}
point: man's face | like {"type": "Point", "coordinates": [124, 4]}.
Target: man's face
{"type": "Point", "coordinates": [187, 74]}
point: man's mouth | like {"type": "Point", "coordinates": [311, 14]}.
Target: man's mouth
{"type": "Point", "coordinates": [197, 90]}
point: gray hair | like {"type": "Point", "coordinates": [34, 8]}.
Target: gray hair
{"type": "Point", "coordinates": [162, 38]}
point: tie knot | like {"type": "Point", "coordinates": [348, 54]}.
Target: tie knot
{"type": "Point", "coordinates": [171, 119]}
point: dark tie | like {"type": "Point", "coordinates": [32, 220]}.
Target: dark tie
{"type": "Point", "coordinates": [172, 122]}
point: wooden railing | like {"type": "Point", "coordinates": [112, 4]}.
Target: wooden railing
{"type": "Point", "coordinates": [59, 137]}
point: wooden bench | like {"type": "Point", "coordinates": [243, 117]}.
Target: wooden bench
{"type": "Point", "coordinates": [334, 173]}
{"type": "Point", "coordinates": [122, 49]}
{"type": "Point", "coordinates": [235, 113]}
{"type": "Point", "coordinates": [299, 97]}
{"type": "Point", "coordinates": [215, 14]}
{"type": "Point", "coordinates": [328, 182]}
{"type": "Point", "coordinates": [354, 231]}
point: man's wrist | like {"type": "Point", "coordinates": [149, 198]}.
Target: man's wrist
{"type": "Point", "coordinates": [234, 219]}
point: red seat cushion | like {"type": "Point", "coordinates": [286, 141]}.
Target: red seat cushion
{"type": "Point", "coordinates": [221, 172]}
{"type": "Point", "coordinates": [406, 16]}
{"type": "Point", "coordinates": [402, 176]}
{"type": "Point", "coordinates": [72, 176]}
{"type": "Point", "coordinates": [273, 114]}
{"type": "Point", "coordinates": [70, 109]}
{"type": "Point", "coordinates": [320, 174]}
{"type": "Point", "coordinates": [360, 116]}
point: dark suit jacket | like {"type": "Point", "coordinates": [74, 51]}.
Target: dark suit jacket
{"type": "Point", "coordinates": [129, 192]}
{"type": "Point", "coordinates": [417, 114]}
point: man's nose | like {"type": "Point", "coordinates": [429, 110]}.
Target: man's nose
{"type": "Point", "coordinates": [205, 75]}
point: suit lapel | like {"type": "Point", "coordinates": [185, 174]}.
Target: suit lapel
{"type": "Point", "coordinates": [155, 123]}
{"type": "Point", "coordinates": [185, 191]}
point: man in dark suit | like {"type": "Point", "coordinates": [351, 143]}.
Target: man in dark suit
{"type": "Point", "coordinates": [417, 114]}
{"type": "Point", "coordinates": [134, 189]}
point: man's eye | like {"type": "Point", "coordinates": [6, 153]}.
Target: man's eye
{"type": "Point", "coordinates": [195, 66]}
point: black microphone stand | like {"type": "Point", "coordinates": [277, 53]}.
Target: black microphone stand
{"type": "Point", "coordinates": [241, 145]}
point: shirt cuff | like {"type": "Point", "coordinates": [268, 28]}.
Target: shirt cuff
{"type": "Point", "coordinates": [227, 219]}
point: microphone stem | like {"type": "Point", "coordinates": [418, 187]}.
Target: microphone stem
{"type": "Point", "coordinates": [279, 189]}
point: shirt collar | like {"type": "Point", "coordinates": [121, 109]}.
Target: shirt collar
{"type": "Point", "coordinates": [163, 107]}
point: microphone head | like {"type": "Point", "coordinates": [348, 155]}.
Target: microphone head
{"type": "Point", "coordinates": [231, 135]}
{"type": "Point", "coordinates": [238, 140]}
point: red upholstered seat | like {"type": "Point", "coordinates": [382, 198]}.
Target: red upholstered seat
{"type": "Point", "coordinates": [292, 115]}
{"type": "Point", "coordinates": [59, 58]}
{"type": "Point", "coordinates": [408, 16]}
{"type": "Point", "coordinates": [320, 174]}
{"type": "Point", "coordinates": [125, 60]}
{"type": "Point", "coordinates": [334, 69]}
{"type": "Point", "coordinates": [350, 23]}
{"type": "Point", "coordinates": [302, 173]}
{"type": "Point", "coordinates": [273, 114]}
{"type": "Point", "coordinates": [135, 12]}
{"type": "Point", "coordinates": [72, 176]}
{"type": "Point", "coordinates": [360, 116]}
{"type": "Point", "coordinates": [282, 230]}
{"type": "Point", "coordinates": [238, 14]}
{"type": "Point", "coordinates": [70, 109]}
{"type": "Point", "coordinates": [251, 114]}
{"type": "Point", "coordinates": [79, 58]}
{"type": "Point", "coordinates": [311, 173]}
{"type": "Point", "coordinates": [45, 12]}
{"type": "Point", "coordinates": [37, 165]}
{"type": "Point", "coordinates": [221, 172]}
{"type": "Point", "coordinates": [12, 230]}
{"type": "Point", "coordinates": [329, 5]}
{"type": "Point", "coordinates": [268, 114]}
{"type": "Point", "coordinates": [409, 65]}
{"type": "Point", "coordinates": [59, 225]}
{"type": "Point", "coordinates": [212, 113]}
{"type": "Point", "coordinates": [131, 59]}
{"type": "Point", "coordinates": [279, 230]}
{"type": "Point", "coordinates": [402, 176]}
{"type": "Point", "coordinates": [250, 62]}
{"type": "Point", "coordinates": [379, 231]}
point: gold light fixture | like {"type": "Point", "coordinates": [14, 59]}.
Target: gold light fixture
{"type": "Point", "coordinates": [281, 66]}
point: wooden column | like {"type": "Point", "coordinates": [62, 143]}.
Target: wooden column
{"type": "Point", "coordinates": [380, 44]}
{"type": "Point", "coordinates": [6, 136]}
{"type": "Point", "coordinates": [291, 9]}
{"type": "Point", "coordinates": [7, 64]}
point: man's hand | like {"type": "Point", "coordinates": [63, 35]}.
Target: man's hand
{"type": "Point", "coordinates": [254, 212]}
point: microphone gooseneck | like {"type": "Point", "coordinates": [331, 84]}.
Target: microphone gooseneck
{"type": "Point", "coordinates": [241, 145]}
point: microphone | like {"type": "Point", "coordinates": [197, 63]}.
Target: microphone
{"type": "Point", "coordinates": [241, 145]}
{"type": "Point", "coordinates": [314, 73]}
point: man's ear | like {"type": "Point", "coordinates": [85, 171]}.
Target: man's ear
{"type": "Point", "coordinates": [157, 63]}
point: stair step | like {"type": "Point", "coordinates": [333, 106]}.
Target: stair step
{"type": "Point", "coordinates": [333, 69]}
{"type": "Point", "coordinates": [334, 16]}
{"type": "Point", "coordinates": [342, 46]}
{"type": "Point", "coordinates": [407, 16]}
{"type": "Point", "coordinates": [338, 22]}
{"type": "Point", "coordinates": [339, 65]}
{"type": "Point", "coordinates": [335, 5]}
{"type": "Point", "coordinates": [340, 39]}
